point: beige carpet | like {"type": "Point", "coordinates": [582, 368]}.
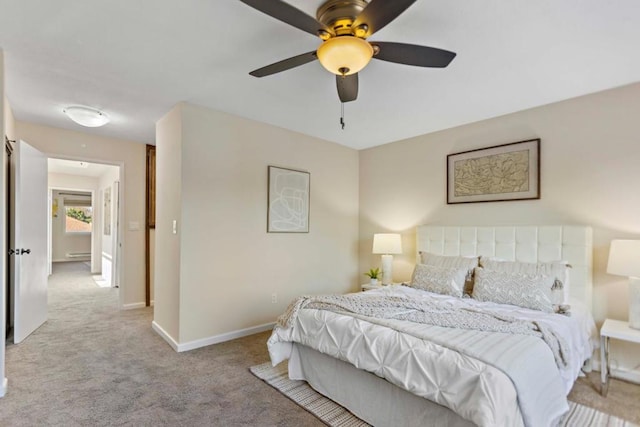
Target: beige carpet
{"type": "Point", "coordinates": [93, 365]}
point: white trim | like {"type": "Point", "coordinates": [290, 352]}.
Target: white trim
{"type": "Point", "coordinates": [228, 336]}
{"type": "Point", "coordinates": [3, 388]}
{"type": "Point", "coordinates": [216, 339]}
{"type": "Point", "coordinates": [168, 338]}
{"type": "Point", "coordinates": [134, 305]}
{"type": "Point", "coordinates": [630, 375]}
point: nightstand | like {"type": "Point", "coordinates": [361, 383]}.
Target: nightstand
{"type": "Point", "coordinates": [369, 286]}
{"type": "Point", "coordinates": [613, 329]}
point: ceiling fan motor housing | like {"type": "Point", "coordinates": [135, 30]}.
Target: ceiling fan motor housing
{"type": "Point", "coordinates": [340, 14]}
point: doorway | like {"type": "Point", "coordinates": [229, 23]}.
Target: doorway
{"type": "Point", "coordinates": [85, 196]}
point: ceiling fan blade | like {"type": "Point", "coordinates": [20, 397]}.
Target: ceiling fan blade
{"type": "Point", "coordinates": [285, 64]}
{"type": "Point", "coordinates": [411, 54]}
{"type": "Point", "coordinates": [288, 14]}
{"type": "Point", "coordinates": [379, 13]}
{"type": "Point", "coordinates": [347, 87]}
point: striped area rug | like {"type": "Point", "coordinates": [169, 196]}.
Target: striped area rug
{"type": "Point", "coordinates": [336, 416]}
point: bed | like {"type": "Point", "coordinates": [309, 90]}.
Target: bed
{"type": "Point", "coordinates": [392, 371]}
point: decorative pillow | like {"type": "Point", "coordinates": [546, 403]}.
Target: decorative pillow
{"type": "Point", "coordinates": [524, 290]}
{"type": "Point", "coordinates": [557, 269]}
{"type": "Point", "coordinates": [440, 280]}
{"type": "Point", "coordinates": [468, 263]}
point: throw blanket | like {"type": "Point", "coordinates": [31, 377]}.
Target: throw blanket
{"type": "Point", "coordinates": [429, 312]}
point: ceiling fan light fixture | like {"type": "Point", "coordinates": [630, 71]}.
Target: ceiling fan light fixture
{"type": "Point", "coordinates": [85, 116]}
{"type": "Point", "coordinates": [345, 53]}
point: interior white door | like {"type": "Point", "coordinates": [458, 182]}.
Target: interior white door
{"type": "Point", "coordinates": [29, 243]}
{"type": "Point", "coordinates": [115, 234]}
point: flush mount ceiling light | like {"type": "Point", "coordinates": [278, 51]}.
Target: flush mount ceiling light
{"type": "Point", "coordinates": [86, 116]}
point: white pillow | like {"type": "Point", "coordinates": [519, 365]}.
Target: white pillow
{"type": "Point", "coordinates": [524, 290]}
{"type": "Point", "coordinates": [468, 263]}
{"type": "Point", "coordinates": [557, 269]}
{"type": "Point", "coordinates": [440, 280]}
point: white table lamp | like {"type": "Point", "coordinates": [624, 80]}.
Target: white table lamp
{"type": "Point", "coordinates": [624, 260]}
{"type": "Point", "coordinates": [387, 244]}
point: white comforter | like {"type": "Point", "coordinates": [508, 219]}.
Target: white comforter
{"type": "Point", "coordinates": [470, 387]}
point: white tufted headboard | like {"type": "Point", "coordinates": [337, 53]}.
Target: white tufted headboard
{"type": "Point", "coordinates": [519, 243]}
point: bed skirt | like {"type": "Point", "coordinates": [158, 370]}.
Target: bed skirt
{"type": "Point", "coordinates": [366, 395]}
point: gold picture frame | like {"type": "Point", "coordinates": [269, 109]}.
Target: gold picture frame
{"type": "Point", "coordinates": [495, 174]}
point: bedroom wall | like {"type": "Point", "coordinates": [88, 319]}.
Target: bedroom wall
{"type": "Point", "coordinates": [6, 128]}
{"type": "Point", "coordinates": [78, 145]}
{"type": "Point", "coordinates": [589, 175]}
{"type": "Point", "coordinates": [166, 308]}
{"type": "Point", "coordinates": [229, 265]}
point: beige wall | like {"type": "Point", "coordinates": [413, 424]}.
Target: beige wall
{"type": "Point", "coordinates": [167, 262]}
{"type": "Point", "coordinates": [230, 266]}
{"type": "Point", "coordinates": [590, 152]}
{"type": "Point", "coordinates": [9, 121]}
{"type": "Point", "coordinates": [77, 145]}
{"type": "Point", "coordinates": [6, 127]}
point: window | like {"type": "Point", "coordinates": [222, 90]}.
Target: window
{"type": "Point", "coordinates": [78, 219]}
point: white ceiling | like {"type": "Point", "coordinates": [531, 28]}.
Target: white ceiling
{"type": "Point", "coordinates": [74, 167]}
{"type": "Point", "coordinates": [136, 59]}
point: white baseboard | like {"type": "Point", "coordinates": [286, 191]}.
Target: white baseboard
{"type": "Point", "coordinates": [3, 388]}
{"type": "Point", "coordinates": [168, 338]}
{"type": "Point", "coordinates": [216, 339]}
{"type": "Point", "coordinates": [134, 306]}
{"type": "Point", "coordinates": [633, 376]}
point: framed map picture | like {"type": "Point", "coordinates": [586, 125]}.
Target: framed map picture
{"type": "Point", "coordinates": [495, 174]}
{"type": "Point", "coordinates": [288, 210]}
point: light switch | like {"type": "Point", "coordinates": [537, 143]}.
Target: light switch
{"type": "Point", "coordinates": [175, 226]}
{"type": "Point", "coordinates": [134, 225]}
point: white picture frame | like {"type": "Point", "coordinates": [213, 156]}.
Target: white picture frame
{"type": "Point", "coordinates": [288, 200]}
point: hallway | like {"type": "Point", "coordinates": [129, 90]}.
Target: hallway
{"type": "Point", "coordinates": [91, 364]}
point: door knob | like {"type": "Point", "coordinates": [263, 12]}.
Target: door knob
{"type": "Point", "coordinates": [25, 251]}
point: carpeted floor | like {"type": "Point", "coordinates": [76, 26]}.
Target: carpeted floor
{"type": "Point", "coordinates": [92, 364]}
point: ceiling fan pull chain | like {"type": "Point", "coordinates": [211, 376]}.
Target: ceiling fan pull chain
{"type": "Point", "coordinates": [342, 115]}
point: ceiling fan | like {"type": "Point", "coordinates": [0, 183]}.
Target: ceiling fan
{"type": "Point", "coordinates": [344, 26]}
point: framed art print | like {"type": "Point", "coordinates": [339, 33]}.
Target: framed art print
{"type": "Point", "coordinates": [288, 209]}
{"type": "Point", "coordinates": [494, 174]}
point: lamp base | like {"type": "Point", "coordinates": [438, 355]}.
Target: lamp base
{"type": "Point", "coordinates": [634, 302]}
{"type": "Point", "coordinates": [387, 272]}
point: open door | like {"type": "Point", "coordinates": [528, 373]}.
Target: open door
{"type": "Point", "coordinates": [28, 239]}
{"type": "Point", "coordinates": [115, 267]}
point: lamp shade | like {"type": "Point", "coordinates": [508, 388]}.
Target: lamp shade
{"type": "Point", "coordinates": [86, 116]}
{"type": "Point", "coordinates": [624, 258]}
{"type": "Point", "coordinates": [387, 243]}
{"type": "Point", "coordinates": [345, 55]}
